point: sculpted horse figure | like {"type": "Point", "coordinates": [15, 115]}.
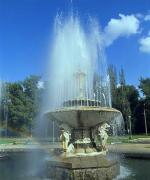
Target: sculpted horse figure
{"type": "Point", "coordinates": [103, 136]}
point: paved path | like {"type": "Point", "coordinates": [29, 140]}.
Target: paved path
{"type": "Point", "coordinates": [141, 140]}
{"type": "Point", "coordinates": [131, 150]}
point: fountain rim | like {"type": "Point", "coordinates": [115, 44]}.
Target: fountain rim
{"type": "Point", "coordinates": [83, 108]}
{"type": "Point", "coordinates": [94, 116]}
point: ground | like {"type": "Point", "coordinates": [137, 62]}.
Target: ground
{"type": "Point", "coordinates": [126, 138]}
{"type": "Point", "coordinates": [138, 146]}
{"type": "Point", "coordinates": [29, 140]}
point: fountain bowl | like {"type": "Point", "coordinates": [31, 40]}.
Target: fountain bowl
{"type": "Point", "coordinates": [83, 116]}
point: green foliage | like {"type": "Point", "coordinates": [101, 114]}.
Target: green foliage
{"type": "Point", "coordinates": [127, 99]}
{"type": "Point", "coordinates": [16, 107]}
{"type": "Point", "coordinates": [145, 88]}
{"type": "Point", "coordinates": [122, 77]}
{"type": "Point", "coordinates": [119, 93]}
{"type": "Point", "coordinates": [20, 105]}
{"type": "Point", "coordinates": [113, 81]}
{"type": "Point", "coordinates": [20, 102]}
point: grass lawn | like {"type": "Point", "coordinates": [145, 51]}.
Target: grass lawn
{"type": "Point", "coordinates": [16, 141]}
{"type": "Point", "coordinates": [111, 139]}
{"type": "Point", "coordinates": [125, 139]}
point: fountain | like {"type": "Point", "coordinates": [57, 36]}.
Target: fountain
{"type": "Point", "coordinates": [80, 102]}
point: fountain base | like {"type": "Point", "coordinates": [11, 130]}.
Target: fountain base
{"type": "Point", "coordinates": [94, 167]}
{"type": "Point", "coordinates": [83, 137]}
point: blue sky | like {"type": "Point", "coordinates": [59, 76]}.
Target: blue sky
{"type": "Point", "coordinates": [26, 28]}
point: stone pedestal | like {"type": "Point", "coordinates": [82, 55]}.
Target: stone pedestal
{"type": "Point", "coordinates": [81, 159]}
{"type": "Point", "coordinates": [95, 167]}
{"type": "Point", "coordinates": [82, 140]}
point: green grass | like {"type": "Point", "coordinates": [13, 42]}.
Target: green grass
{"type": "Point", "coordinates": [111, 139]}
{"type": "Point", "coordinates": [125, 139]}
{"type": "Point", "coordinates": [15, 141]}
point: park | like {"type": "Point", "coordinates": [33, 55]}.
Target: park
{"type": "Point", "coordinates": [74, 90]}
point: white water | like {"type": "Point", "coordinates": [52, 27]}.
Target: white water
{"type": "Point", "coordinates": [78, 67]}
{"type": "Point", "coordinates": [118, 125]}
{"type": "Point", "coordinates": [124, 173]}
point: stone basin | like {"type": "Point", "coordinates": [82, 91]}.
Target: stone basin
{"type": "Point", "coordinates": [84, 162]}
{"type": "Point", "coordinates": [83, 116]}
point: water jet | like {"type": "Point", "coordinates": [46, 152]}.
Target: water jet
{"type": "Point", "coordinates": [80, 102]}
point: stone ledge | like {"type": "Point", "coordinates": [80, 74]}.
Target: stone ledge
{"type": "Point", "coordinates": [82, 162]}
{"type": "Point", "coordinates": [131, 150]}
{"type": "Point", "coordinates": [83, 168]}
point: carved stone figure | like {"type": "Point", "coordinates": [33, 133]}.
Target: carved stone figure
{"type": "Point", "coordinates": [102, 136]}
{"type": "Point", "coordinates": [64, 138]}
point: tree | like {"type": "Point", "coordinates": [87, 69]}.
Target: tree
{"type": "Point", "coordinates": [113, 83]}
{"type": "Point", "coordinates": [123, 104]}
{"type": "Point", "coordinates": [145, 88]}
{"type": "Point", "coordinates": [122, 77]}
{"type": "Point", "coordinates": [22, 102]}
{"type": "Point", "coordinates": [132, 96]}
{"type": "Point", "coordinates": [139, 118]}
{"type": "Point", "coordinates": [33, 98]}
{"type": "Point", "coordinates": [15, 102]}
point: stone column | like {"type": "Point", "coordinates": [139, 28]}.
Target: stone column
{"type": "Point", "coordinates": [82, 140]}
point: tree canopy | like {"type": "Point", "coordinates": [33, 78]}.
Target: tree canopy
{"type": "Point", "coordinates": [128, 99]}
{"type": "Point", "coordinates": [21, 102]}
